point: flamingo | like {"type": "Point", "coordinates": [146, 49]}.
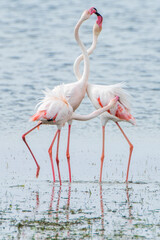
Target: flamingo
{"type": "Point", "coordinates": [74, 92]}
{"type": "Point", "coordinates": [100, 95]}
{"type": "Point", "coordinates": [59, 104]}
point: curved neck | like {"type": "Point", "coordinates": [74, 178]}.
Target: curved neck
{"type": "Point", "coordinates": [80, 58]}
{"type": "Point", "coordinates": [85, 75]}
{"type": "Point", "coordinates": [94, 114]}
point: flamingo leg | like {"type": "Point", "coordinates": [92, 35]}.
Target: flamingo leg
{"type": "Point", "coordinates": [24, 139]}
{"type": "Point", "coordinates": [131, 149]}
{"type": "Point", "coordinates": [102, 156]}
{"type": "Point", "coordinates": [67, 152]}
{"type": "Point", "coordinates": [50, 154]}
{"type": "Point", "coordinates": [57, 157]}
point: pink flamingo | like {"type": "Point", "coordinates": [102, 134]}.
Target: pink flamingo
{"type": "Point", "coordinates": [73, 94]}
{"type": "Point", "coordinates": [100, 95]}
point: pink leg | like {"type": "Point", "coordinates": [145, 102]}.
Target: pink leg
{"type": "Point", "coordinates": [50, 154]}
{"type": "Point", "coordinates": [23, 137]}
{"type": "Point", "coordinates": [57, 157]}
{"type": "Point", "coordinates": [102, 156]}
{"type": "Point", "coordinates": [131, 149]}
{"type": "Point", "coordinates": [67, 153]}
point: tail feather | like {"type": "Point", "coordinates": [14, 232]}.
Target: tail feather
{"type": "Point", "coordinates": [123, 114]}
{"type": "Point", "coordinates": [124, 96]}
{"type": "Point", "coordinates": [38, 115]}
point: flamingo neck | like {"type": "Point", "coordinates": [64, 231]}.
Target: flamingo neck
{"type": "Point", "coordinates": [80, 58]}
{"type": "Point", "coordinates": [85, 75]}
{"type": "Point", "coordinates": [93, 46]}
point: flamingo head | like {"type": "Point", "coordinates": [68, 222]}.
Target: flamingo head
{"type": "Point", "coordinates": [99, 20]}
{"type": "Point", "coordinates": [97, 28]}
{"type": "Point", "coordinates": [87, 13]}
{"type": "Point", "coordinates": [92, 10]}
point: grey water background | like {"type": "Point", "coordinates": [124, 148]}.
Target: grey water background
{"type": "Point", "coordinates": [37, 50]}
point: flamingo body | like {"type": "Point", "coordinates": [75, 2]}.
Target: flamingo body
{"type": "Point", "coordinates": [54, 107]}
{"type": "Point", "coordinates": [58, 104]}
{"type": "Point", "coordinates": [100, 95]}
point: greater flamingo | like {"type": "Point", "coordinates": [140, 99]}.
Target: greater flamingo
{"type": "Point", "coordinates": [52, 109]}
{"type": "Point", "coordinates": [100, 95]}
{"type": "Point", "coordinates": [74, 92]}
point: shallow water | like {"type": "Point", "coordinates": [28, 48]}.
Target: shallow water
{"type": "Point", "coordinates": [82, 210]}
{"type": "Point", "coordinates": [37, 50]}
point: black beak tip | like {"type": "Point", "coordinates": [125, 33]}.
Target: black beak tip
{"type": "Point", "coordinates": [98, 14]}
{"type": "Point", "coordinates": [95, 9]}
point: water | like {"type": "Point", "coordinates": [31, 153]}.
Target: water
{"type": "Point", "coordinates": [81, 211]}
{"type": "Point", "coordinates": [37, 50]}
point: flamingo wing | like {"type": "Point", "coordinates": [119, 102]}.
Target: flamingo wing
{"type": "Point", "coordinates": [54, 106]}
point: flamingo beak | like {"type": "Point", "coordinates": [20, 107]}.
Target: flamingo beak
{"type": "Point", "coordinates": [92, 10]}
{"type": "Point", "coordinates": [99, 19]}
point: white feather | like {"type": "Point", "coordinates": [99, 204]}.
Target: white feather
{"type": "Point", "coordinates": [54, 103]}
{"type": "Point", "coordinates": [106, 93]}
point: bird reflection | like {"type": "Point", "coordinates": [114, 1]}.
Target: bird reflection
{"type": "Point", "coordinates": [102, 208]}
{"type": "Point", "coordinates": [68, 206]}
{"type": "Point", "coordinates": [57, 207]}
{"type": "Point", "coordinates": [102, 211]}
{"type": "Point", "coordinates": [68, 202]}
{"type": "Point", "coordinates": [58, 202]}
{"type": "Point", "coordinates": [51, 201]}
{"type": "Point", "coordinates": [37, 200]}
{"type": "Point", "coordinates": [129, 204]}
{"type": "Point", "coordinates": [37, 172]}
